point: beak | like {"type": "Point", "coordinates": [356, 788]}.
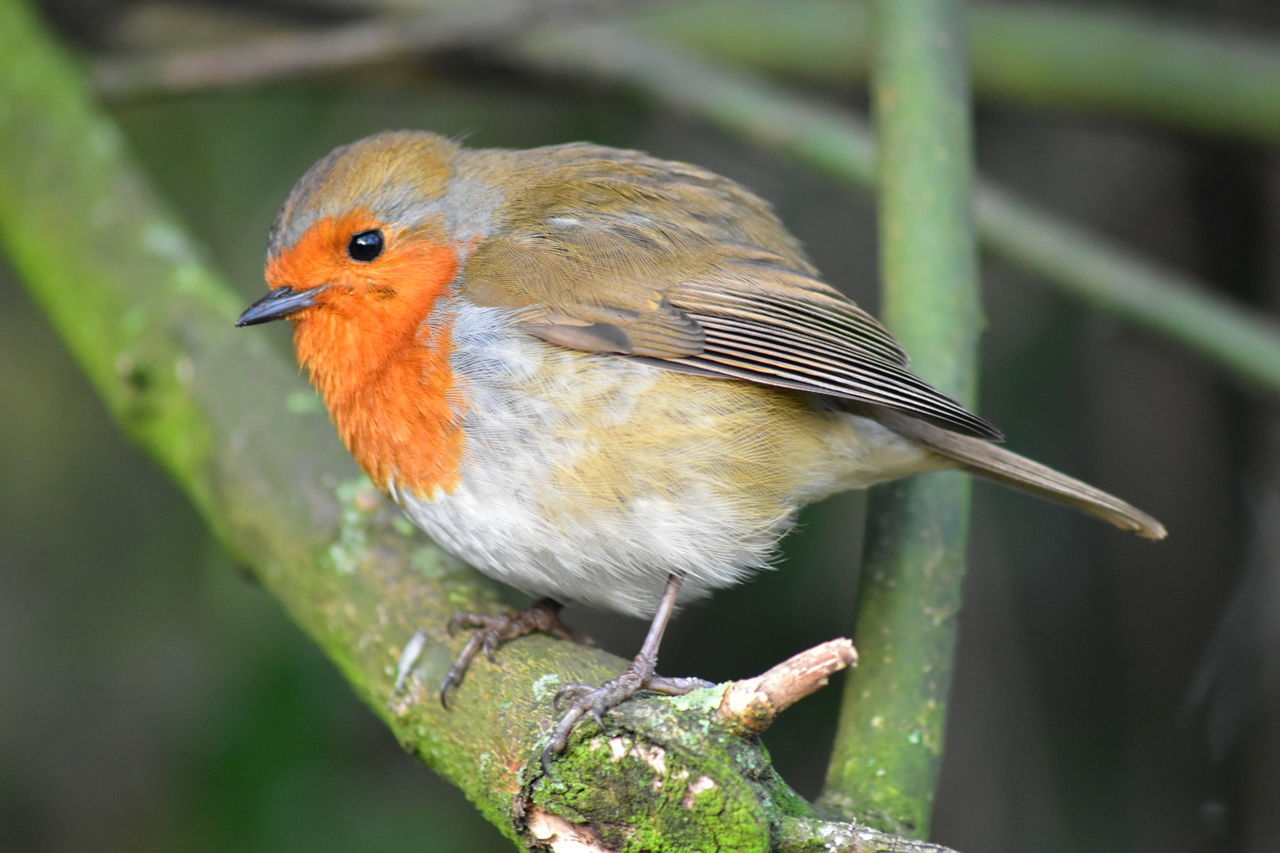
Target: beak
{"type": "Point", "coordinates": [280, 302]}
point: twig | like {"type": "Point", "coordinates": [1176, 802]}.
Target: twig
{"type": "Point", "coordinates": [750, 706]}
{"type": "Point", "coordinates": [382, 39]}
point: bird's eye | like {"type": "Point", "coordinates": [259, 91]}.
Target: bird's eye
{"type": "Point", "coordinates": [365, 246]}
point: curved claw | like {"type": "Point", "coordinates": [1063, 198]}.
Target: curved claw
{"type": "Point", "coordinates": [490, 644]}
{"type": "Point", "coordinates": [560, 737]}
{"type": "Point", "coordinates": [458, 669]}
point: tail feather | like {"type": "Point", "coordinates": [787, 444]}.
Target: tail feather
{"type": "Point", "coordinates": [995, 463]}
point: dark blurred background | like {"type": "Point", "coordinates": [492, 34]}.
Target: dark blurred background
{"type": "Point", "coordinates": [1110, 694]}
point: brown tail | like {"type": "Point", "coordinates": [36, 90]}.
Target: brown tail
{"type": "Point", "coordinates": [995, 463]}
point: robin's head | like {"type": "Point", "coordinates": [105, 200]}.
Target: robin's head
{"type": "Point", "coordinates": [363, 235]}
{"type": "Point", "coordinates": [359, 257]}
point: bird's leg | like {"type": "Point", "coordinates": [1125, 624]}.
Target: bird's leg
{"type": "Point", "coordinates": [639, 676]}
{"type": "Point", "coordinates": [492, 631]}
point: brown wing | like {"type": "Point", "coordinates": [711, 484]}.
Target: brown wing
{"type": "Point", "coordinates": [615, 252]}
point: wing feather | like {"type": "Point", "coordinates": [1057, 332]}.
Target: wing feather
{"type": "Point", "coordinates": [851, 378]}
{"type": "Point", "coordinates": [836, 320]}
{"type": "Point", "coordinates": [617, 252]}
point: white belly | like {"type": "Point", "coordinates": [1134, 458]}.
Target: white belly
{"type": "Point", "coordinates": [569, 490]}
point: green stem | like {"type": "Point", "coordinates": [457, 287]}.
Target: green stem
{"type": "Point", "coordinates": [1037, 55]}
{"type": "Point", "coordinates": [888, 747]}
{"type": "Point", "coordinates": [1135, 66]}
{"type": "Point", "coordinates": [1115, 281]}
{"type": "Point", "coordinates": [1078, 261]}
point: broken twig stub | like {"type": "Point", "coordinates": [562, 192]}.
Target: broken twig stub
{"type": "Point", "coordinates": [750, 706]}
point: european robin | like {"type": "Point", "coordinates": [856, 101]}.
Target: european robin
{"type": "Point", "coordinates": [599, 376]}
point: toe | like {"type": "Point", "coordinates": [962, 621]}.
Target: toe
{"type": "Point", "coordinates": [570, 693]}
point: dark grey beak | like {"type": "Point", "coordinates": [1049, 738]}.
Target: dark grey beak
{"type": "Point", "coordinates": [280, 302]}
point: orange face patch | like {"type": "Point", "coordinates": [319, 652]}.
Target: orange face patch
{"type": "Point", "coordinates": [382, 368]}
{"type": "Point", "coordinates": [320, 256]}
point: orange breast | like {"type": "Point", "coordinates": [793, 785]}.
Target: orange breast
{"type": "Point", "coordinates": [377, 346]}
{"type": "Point", "coordinates": [402, 422]}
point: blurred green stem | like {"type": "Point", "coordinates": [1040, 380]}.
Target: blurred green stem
{"type": "Point", "coordinates": [1038, 55]}
{"type": "Point", "coordinates": [1071, 257]}
{"type": "Point", "coordinates": [888, 746]}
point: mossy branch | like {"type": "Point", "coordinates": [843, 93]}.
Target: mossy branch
{"type": "Point", "coordinates": [151, 324]}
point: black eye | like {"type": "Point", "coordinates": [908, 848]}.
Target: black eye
{"type": "Point", "coordinates": [365, 246]}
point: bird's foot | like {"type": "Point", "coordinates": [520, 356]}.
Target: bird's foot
{"type": "Point", "coordinates": [585, 699]}
{"type": "Point", "coordinates": [492, 631]}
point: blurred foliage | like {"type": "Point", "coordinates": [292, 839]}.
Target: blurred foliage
{"type": "Point", "coordinates": [154, 700]}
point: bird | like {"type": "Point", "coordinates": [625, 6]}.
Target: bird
{"type": "Point", "coordinates": [599, 376]}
